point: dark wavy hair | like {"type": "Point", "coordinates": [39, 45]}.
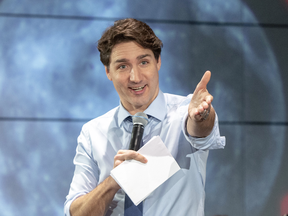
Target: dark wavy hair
{"type": "Point", "coordinates": [126, 30]}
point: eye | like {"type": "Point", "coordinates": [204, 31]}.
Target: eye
{"type": "Point", "coordinates": [122, 67]}
{"type": "Point", "coordinates": [144, 62]}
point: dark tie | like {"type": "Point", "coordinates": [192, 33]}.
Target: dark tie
{"type": "Point", "coordinates": [129, 208]}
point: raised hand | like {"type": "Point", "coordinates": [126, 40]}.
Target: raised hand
{"type": "Point", "coordinates": [200, 104]}
{"type": "Point", "coordinates": [201, 113]}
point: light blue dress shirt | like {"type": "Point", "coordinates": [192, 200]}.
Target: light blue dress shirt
{"type": "Point", "coordinates": [101, 138]}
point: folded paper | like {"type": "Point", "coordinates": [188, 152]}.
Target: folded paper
{"type": "Point", "coordinates": [137, 179]}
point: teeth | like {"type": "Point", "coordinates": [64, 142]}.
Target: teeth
{"type": "Point", "coordinates": [138, 89]}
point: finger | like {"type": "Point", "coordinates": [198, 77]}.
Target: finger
{"type": "Point", "coordinates": [198, 117]}
{"type": "Point", "coordinates": [117, 163]}
{"type": "Point", "coordinates": [203, 82]}
{"type": "Point", "coordinates": [209, 99]}
{"type": "Point", "coordinates": [201, 108]}
{"type": "Point", "coordinates": [202, 114]}
{"type": "Point", "coordinates": [205, 105]}
{"type": "Point", "coordinates": [123, 155]}
{"type": "Point", "coordinates": [119, 157]}
{"type": "Point", "coordinates": [197, 111]}
{"type": "Point", "coordinates": [140, 158]}
{"type": "Point", "coordinates": [133, 155]}
{"type": "Point", "coordinates": [121, 152]}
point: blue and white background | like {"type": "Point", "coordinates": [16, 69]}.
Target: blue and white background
{"type": "Point", "coordinates": [52, 82]}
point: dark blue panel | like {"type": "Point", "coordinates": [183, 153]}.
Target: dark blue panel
{"type": "Point", "coordinates": [264, 152]}
{"type": "Point", "coordinates": [266, 68]}
{"type": "Point", "coordinates": [269, 11]}
{"type": "Point", "coordinates": [36, 166]}
{"type": "Point", "coordinates": [204, 10]}
{"type": "Point", "coordinates": [52, 69]}
{"type": "Point", "coordinates": [225, 175]}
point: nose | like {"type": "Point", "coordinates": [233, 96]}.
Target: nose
{"type": "Point", "coordinates": [135, 75]}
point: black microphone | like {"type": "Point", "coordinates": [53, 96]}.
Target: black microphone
{"type": "Point", "coordinates": [140, 120]}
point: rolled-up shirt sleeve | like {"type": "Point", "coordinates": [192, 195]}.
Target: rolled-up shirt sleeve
{"type": "Point", "coordinates": [212, 141]}
{"type": "Point", "coordinates": [86, 174]}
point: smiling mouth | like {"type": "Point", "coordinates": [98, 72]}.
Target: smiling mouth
{"type": "Point", "coordinates": [138, 88]}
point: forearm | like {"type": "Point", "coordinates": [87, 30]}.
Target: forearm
{"type": "Point", "coordinates": [201, 128]}
{"type": "Point", "coordinates": [97, 201]}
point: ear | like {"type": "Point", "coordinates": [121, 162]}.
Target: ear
{"type": "Point", "coordinates": [159, 63]}
{"type": "Point", "coordinates": [108, 73]}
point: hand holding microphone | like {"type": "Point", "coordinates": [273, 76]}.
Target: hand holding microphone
{"type": "Point", "coordinates": [140, 120]}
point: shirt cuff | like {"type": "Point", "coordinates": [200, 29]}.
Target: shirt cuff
{"type": "Point", "coordinates": [69, 201]}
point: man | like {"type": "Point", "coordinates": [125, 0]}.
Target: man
{"type": "Point", "coordinates": [130, 52]}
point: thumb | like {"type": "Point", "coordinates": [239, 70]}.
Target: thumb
{"type": "Point", "coordinates": [203, 82]}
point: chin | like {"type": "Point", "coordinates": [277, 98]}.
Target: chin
{"type": "Point", "coordinates": [139, 104]}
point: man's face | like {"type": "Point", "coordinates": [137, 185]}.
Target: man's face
{"type": "Point", "coordinates": [134, 73]}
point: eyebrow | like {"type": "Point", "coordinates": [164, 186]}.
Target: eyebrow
{"type": "Point", "coordinates": [138, 57]}
{"type": "Point", "coordinates": [121, 60]}
{"type": "Point", "coordinates": [143, 56]}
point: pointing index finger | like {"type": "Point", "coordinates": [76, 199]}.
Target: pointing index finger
{"type": "Point", "coordinates": [204, 81]}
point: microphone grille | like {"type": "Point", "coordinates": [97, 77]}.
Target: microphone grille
{"type": "Point", "coordinates": [140, 118]}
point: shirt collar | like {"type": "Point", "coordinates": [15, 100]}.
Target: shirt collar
{"type": "Point", "coordinates": [122, 114]}
{"type": "Point", "coordinates": [157, 109]}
